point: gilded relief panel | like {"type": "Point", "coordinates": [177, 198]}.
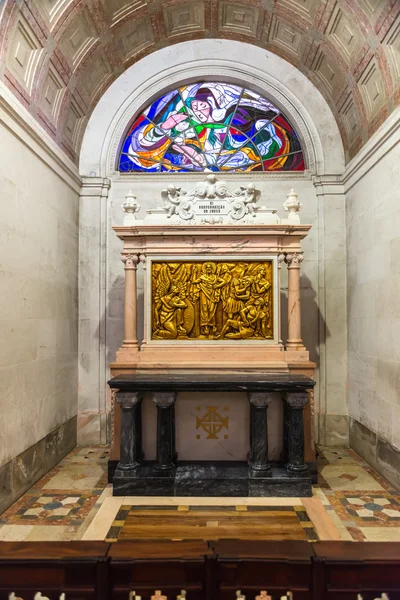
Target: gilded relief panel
{"type": "Point", "coordinates": [212, 300]}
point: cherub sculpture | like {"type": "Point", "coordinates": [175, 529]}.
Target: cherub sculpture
{"type": "Point", "coordinates": [250, 198]}
{"type": "Point", "coordinates": [172, 198]}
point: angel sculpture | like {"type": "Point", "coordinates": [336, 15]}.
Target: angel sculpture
{"type": "Point", "coordinates": [172, 199]}
{"type": "Point", "coordinates": [251, 196]}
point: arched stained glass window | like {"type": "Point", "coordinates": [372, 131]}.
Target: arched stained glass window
{"type": "Point", "coordinates": [211, 127]}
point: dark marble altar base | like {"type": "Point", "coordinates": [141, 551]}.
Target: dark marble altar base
{"type": "Point", "coordinates": [216, 478]}
{"type": "Point", "coordinates": [312, 468]}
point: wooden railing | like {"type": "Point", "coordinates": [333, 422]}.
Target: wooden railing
{"type": "Point", "coordinates": [222, 570]}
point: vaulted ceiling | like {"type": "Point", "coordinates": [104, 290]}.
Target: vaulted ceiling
{"type": "Point", "coordinates": [59, 56]}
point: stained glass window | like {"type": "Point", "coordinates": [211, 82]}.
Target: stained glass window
{"type": "Point", "coordinates": [211, 127]}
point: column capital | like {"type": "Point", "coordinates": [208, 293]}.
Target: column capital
{"type": "Point", "coordinates": [281, 259]}
{"type": "Point", "coordinates": [128, 399]}
{"type": "Point", "coordinates": [296, 400]}
{"type": "Point", "coordinates": [130, 261]}
{"type": "Point", "coordinates": [143, 260]}
{"type": "Point", "coordinates": [164, 399]}
{"type": "Point", "coordinates": [260, 399]}
{"type": "Point", "coordinates": [294, 259]}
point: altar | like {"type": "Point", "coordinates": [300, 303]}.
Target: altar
{"type": "Point", "coordinates": [211, 259]}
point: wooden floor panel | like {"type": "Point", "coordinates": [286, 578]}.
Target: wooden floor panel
{"type": "Point", "coordinates": [275, 523]}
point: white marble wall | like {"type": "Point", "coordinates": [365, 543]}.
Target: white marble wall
{"type": "Point", "coordinates": [38, 289]}
{"type": "Point", "coordinates": [373, 270]}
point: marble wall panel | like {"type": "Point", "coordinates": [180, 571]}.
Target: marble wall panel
{"type": "Point", "coordinates": [373, 292]}
{"type": "Point", "coordinates": [228, 442]}
{"type": "Point", "coordinates": [38, 299]}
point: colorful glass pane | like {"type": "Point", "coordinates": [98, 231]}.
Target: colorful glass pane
{"type": "Point", "coordinates": [211, 127]}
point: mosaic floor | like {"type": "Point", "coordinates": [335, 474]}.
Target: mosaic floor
{"type": "Point", "coordinates": [73, 502]}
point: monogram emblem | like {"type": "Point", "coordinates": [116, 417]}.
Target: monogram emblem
{"type": "Point", "coordinates": [212, 422]}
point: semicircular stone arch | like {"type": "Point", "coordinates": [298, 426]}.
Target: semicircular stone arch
{"type": "Point", "coordinates": [235, 62]}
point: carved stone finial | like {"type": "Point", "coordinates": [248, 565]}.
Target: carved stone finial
{"type": "Point", "coordinates": [292, 205]}
{"type": "Point", "coordinates": [130, 207]}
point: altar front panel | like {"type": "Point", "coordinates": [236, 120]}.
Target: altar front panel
{"type": "Point", "coordinates": [213, 425]}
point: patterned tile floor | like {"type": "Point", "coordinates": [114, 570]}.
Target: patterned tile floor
{"type": "Point", "coordinates": [351, 500]}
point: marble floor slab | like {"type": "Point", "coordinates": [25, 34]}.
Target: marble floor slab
{"type": "Point", "coordinates": [73, 502]}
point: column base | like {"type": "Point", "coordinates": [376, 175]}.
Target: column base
{"type": "Point", "coordinates": [296, 469]}
{"type": "Point", "coordinates": [125, 472]}
{"type": "Point", "coordinates": [164, 468]}
{"type": "Point", "coordinates": [258, 468]}
{"type": "Point", "coordinates": [295, 345]}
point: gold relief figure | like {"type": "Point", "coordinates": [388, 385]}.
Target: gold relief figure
{"type": "Point", "coordinates": [212, 300]}
{"type": "Point", "coordinates": [260, 285]}
{"type": "Point", "coordinates": [169, 317]}
{"type": "Point", "coordinates": [225, 274]}
{"type": "Point", "coordinates": [239, 291]}
{"type": "Point", "coordinates": [210, 286]}
{"type": "Point", "coordinates": [248, 325]}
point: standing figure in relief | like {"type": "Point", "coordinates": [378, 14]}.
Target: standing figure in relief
{"type": "Point", "coordinates": [239, 292]}
{"type": "Point", "coordinates": [260, 285]}
{"type": "Point", "coordinates": [225, 274]}
{"type": "Point", "coordinates": [209, 285]}
{"type": "Point", "coordinates": [169, 320]}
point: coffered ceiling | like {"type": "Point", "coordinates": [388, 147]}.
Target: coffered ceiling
{"type": "Point", "coordinates": [59, 56]}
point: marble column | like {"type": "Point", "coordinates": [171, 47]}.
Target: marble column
{"type": "Point", "coordinates": [130, 446]}
{"type": "Point", "coordinates": [293, 261]}
{"type": "Point", "coordinates": [294, 422]}
{"type": "Point", "coordinates": [143, 261]}
{"type": "Point", "coordinates": [139, 431]}
{"type": "Point", "coordinates": [130, 329]}
{"type": "Point", "coordinates": [258, 456]}
{"type": "Point", "coordinates": [165, 429]}
{"type": "Point", "coordinates": [281, 259]}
